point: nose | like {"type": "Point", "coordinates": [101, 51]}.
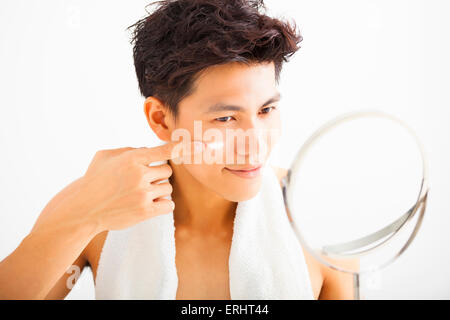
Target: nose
{"type": "Point", "coordinates": [251, 145]}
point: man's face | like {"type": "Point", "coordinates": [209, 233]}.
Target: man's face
{"type": "Point", "coordinates": [236, 105]}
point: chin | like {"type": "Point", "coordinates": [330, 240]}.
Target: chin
{"type": "Point", "coordinates": [243, 191]}
{"type": "Point", "coordinates": [232, 187]}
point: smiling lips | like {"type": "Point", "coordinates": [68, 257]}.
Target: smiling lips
{"type": "Point", "coordinates": [249, 173]}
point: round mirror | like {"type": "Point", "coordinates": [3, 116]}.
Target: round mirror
{"type": "Point", "coordinates": [356, 192]}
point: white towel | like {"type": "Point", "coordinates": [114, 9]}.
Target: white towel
{"type": "Point", "coordinates": [266, 260]}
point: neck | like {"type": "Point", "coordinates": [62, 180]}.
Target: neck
{"type": "Point", "coordinates": [197, 207]}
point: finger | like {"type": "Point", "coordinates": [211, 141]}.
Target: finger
{"type": "Point", "coordinates": [163, 206]}
{"type": "Point", "coordinates": [111, 152]}
{"type": "Point", "coordinates": [161, 180]}
{"type": "Point", "coordinates": [157, 173]}
{"type": "Point", "coordinates": [118, 151]}
{"type": "Point", "coordinates": [161, 190]}
{"type": "Point", "coordinates": [170, 150]}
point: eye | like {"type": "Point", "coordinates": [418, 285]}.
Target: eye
{"type": "Point", "coordinates": [224, 119]}
{"type": "Point", "coordinates": [267, 109]}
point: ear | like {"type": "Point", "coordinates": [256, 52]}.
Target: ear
{"type": "Point", "coordinates": [158, 117]}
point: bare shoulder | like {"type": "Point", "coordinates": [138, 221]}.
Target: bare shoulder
{"type": "Point", "coordinates": [93, 251]}
{"type": "Point", "coordinates": [338, 285]}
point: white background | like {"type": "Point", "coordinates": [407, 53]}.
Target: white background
{"type": "Point", "coordinates": [68, 88]}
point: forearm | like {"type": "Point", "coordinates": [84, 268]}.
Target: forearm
{"type": "Point", "coordinates": [43, 256]}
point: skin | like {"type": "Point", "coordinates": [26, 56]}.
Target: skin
{"type": "Point", "coordinates": [120, 190]}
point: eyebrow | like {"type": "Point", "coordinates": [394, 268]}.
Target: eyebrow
{"type": "Point", "coordinates": [225, 107]}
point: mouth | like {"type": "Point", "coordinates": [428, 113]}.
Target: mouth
{"type": "Point", "coordinates": [249, 172]}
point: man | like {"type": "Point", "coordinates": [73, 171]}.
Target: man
{"type": "Point", "coordinates": [210, 62]}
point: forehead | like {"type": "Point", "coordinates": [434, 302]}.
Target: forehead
{"type": "Point", "coordinates": [234, 83]}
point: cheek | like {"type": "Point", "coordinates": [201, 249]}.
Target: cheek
{"type": "Point", "coordinates": [271, 134]}
{"type": "Point", "coordinates": [275, 136]}
{"type": "Point", "coordinates": [207, 174]}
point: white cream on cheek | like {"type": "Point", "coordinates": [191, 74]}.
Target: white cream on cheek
{"type": "Point", "coordinates": [215, 145]}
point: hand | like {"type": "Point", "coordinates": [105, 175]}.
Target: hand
{"type": "Point", "coordinates": [120, 189]}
